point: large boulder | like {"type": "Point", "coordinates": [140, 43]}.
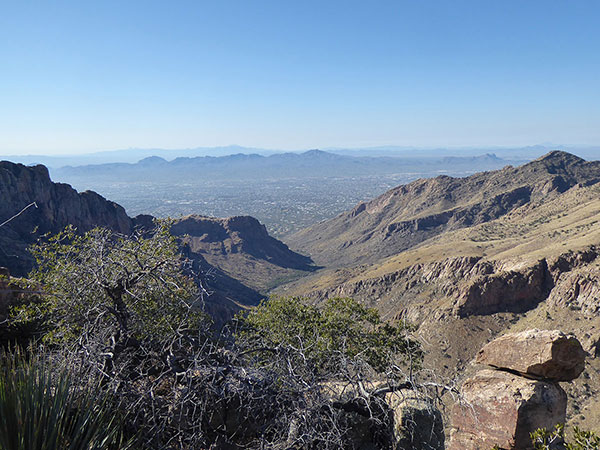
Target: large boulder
{"type": "Point", "coordinates": [547, 354]}
{"type": "Point", "coordinates": [503, 408]}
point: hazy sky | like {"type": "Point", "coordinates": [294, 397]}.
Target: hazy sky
{"type": "Point", "coordinates": [89, 75]}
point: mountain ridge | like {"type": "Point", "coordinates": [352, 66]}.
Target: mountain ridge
{"type": "Point", "coordinates": [409, 214]}
{"type": "Point", "coordinates": [312, 163]}
{"type": "Point", "coordinates": [532, 264]}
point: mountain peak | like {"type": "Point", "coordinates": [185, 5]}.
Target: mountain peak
{"type": "Point", "coordinates": [556, 156]}
{"type": "Point", "coordinates": [152, 160]}
{"type": "Point", "coordinates": [316, 153]}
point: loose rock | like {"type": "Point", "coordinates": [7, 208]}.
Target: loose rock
{"type": "Point", "coordinates": [550, 355]}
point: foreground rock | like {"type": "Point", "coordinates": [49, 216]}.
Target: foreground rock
{"type": "Point", "coordinates": [551, 355]}
{"type": "Point", "coordinates": [405, 419]}
{"type": "Point", "coordinates": [502, 408]}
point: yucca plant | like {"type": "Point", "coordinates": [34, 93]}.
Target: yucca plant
{"type": "Point", "coordinates": [43, 409]}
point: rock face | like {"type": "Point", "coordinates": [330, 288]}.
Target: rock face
{"type": "Point", "coordinates": [547, 354]}
{"type": "Point", "coordinates": [57, 205]}
{"type": "Point", "coordinates": [242, 249]}
{"type": "Point", "coordinates": [515, 291]}
{"type": "Point", "coordinates": [404, 419]}
{"type": "Point", "coordinates": [502, 408]}
{"type": "Point", "coordinates": [240, 234]}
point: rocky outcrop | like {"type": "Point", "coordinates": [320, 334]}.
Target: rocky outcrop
{"type": "Point", "coordinates": [577, 290]}
{"type": "Point", "coordinates": [213, 236]}
{"type": "Point", "coordinates": [56, 206]}
{"type": "Point", "coordinates": [404, 419]}
{"type": "Point", "coordinates": [546, 354]}
{"type": "Point", "coordinates": [502, 407]}
{"type": "Point", "coordinates": [416, 423]}
{"type": "Point", "coordinates": [515, 291]}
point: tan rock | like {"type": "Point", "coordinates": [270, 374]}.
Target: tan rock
{"type": "Point", "coordinates": [547, 354]}
{"type": "Point", "coordinates": [503, 408]}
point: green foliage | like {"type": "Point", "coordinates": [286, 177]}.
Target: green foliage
{"type": "Point", "coordinates": [102, 283]}
{"type": "Point", "coordinates": [543, 439]}
{"type": "Point", "coordinates": [42, 410]}
{"type": "Point", "coordinates": [341, 329]}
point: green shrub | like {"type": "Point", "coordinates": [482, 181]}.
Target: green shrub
{"type": "Point", "coordinates": [543, 439]}
{"type": "Point", "coordinates": [41, 410]}
{"type": "Point", "coordinates": [321, 337]}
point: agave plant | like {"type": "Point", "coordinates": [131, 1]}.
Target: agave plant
{"type": "Point", "coordinates": [42, 409]}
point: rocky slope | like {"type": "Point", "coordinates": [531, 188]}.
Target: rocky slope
{"type": "Point", "coordinates": [241, 247]}
{"type": "Point", "coordinates": [410, 214]}
{"type": "Point", "coordinates": [238, 257]}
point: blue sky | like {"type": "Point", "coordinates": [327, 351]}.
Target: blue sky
{"type": "Point", "coordinates": [82, 76]}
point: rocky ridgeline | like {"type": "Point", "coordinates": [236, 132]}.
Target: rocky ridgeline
{"type": "Point", "coordinates": [410, 214]}
{"type": "Point", "coordinates": [212, 236]}
{"type": "Point", "coordinates": [503, 405]}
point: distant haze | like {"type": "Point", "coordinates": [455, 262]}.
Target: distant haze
{"type": "Point", "coordinates": [135, 155]}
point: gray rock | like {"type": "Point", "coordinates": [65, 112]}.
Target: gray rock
{"type": "Point", "coordinates": [416, 424]}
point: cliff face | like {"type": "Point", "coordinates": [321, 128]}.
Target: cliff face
{"type": "Point", "coordinates": [216, 237]}
{"type": "Point", "coordinates": [57, 205]}
{"type": "Point", "coordinates": [471, 286]}
{"type": "Point", "coordinates": [241, 247]}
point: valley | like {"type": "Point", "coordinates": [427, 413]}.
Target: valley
{"type": "Point", "coordinates": [287, 192]}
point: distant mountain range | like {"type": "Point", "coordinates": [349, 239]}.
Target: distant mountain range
{"type": "Point", "coordinates": [310, 164]}
{"type": "Point", "coordinates": [133, 155]}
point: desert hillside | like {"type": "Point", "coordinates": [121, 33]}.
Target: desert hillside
{"type": "Point", "coordinates": [410, 214]}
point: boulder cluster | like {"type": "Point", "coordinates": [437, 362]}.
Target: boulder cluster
{"type": "Point", "coordinates": [519, 393]}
